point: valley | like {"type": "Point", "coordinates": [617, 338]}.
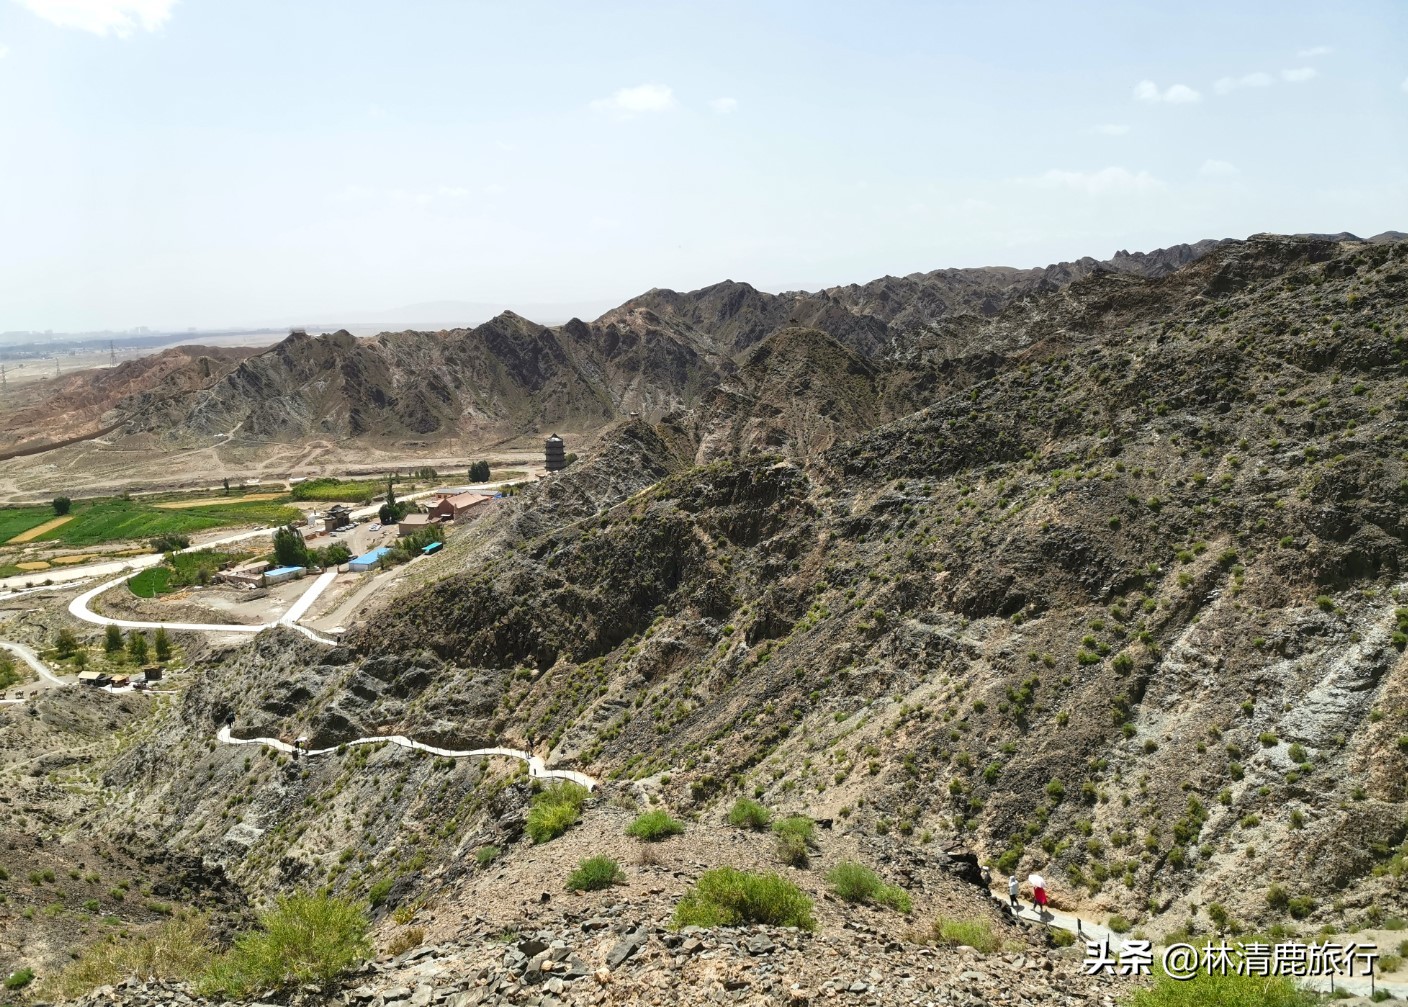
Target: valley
{"type": "Point", "coordinates": [1096, 571]}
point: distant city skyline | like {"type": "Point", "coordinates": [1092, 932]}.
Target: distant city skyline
{"type": "Point", "coordinates": [178, 163]}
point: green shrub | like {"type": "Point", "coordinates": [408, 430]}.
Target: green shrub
{"type": "Point", "coordinates": [794, 839]}
{"type": "Point", "coordinates": [726, 897]}
{"type": "Point", "coordinates": [1118, 924]}
{"type": "Point", "coordinates": [178, 949]}
{"type": "Point", "coordinates": [654, 826]}
{"type": "Point", "coordinates": [976, 934]}
{"type": "Point", "coordinates": [749, 815]}
{"type": "Point", "coordinates": [555, 810]}
{"type": "Point", "coordinates": [379, 890]}
{"type": "Point", "coordinates": [19, 979]}
{"type": "Point", "coordinates": [1301, 906]}
{"type": "Point", "coordinates": [857, 883]}
{"type": "Point", "coordinates": [304, 939]}
{"type": "Point", "coordinates": [486, 855]}
{"type": "Point", "coordinates": [548, 821]}
{"type": "Point", "coordinates": [1208, 989]}
{"type": "Point", "coordinates": [594, 874]}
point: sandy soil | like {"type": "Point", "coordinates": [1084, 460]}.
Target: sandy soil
{"type": "Point", "coordinates": [102, 466]}
{"type": "Point", "coordinates": [37, 530]}
{"type": "Point", "coordinates": [212, 501]}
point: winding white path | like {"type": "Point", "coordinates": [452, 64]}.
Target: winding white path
{"type": "Point", "coordinates": [536, 767]}
{"type": "Point", "coordinates": [1089, 931]}
{"type": "Point", "coordinates": [79, 609]}
{"type": "Point", "coordinates": [33, 661]}
{"type": "Point", "coordinates": [30, 658]}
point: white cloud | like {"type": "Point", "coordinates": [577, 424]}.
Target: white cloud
{"type": "Point", "coordinates": [1095, 183]}
{"type": "Point", "coordinates": [1226, 84]}
{"type": "Point", "coordinates": [723, 106]}
{"type": "Point", "coordinates": [1315, 50]}
{"type": "Point", "coordinates": [631, 101]}
{"type": "Point", "coordinates": [1176, 94]}
{"type": "Point", "coordinates": [452, 191]}
{"type": "Point", "coordinates": [4, 51]}
{"type": "Point", "coordinates": [1213, 168]}
{"type": "Point", "coordinates": [1299, 74]}
{"type": "Point", "coordinates": [119, 17]}
{"type": "Point", "coordinates": [1110, 129]}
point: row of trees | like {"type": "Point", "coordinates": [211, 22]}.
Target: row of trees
{"type": "Point", "coordinates": [136, 646]}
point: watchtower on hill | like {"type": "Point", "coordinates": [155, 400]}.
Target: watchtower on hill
{"type": "Point", "coordinates": [556, 454]}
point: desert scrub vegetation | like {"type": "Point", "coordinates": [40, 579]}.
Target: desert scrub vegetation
{"type": "Point", "coordinates": [405, 940]}
{"type": "Point", "coordinates": [595, 873]}
{"type": "Point", "coordinates": [725, 897]}
{"type": "Point", "coordinates": [1208, 989]}
{"type": "Point", "coordinates": [654, 826]}
{"type": "Point", "coordinates": [794, 839]}
{"type": "Point", "coordinates": [857, 883]}
{"type": "Point", "coordinates": [486, 855]}
{"type": "Point", "coordinates": [555, 810]}
{"type": "Point", "coordinates": [179, 949]}
{"type": "Point", "coordinates": [749, 814]}
{"type": "Point", "coordinates": [976, 934]}
{"type": "Point", "coordinates": [304, 938]}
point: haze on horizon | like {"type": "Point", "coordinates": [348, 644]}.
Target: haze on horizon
{"type": "Point", "coordinates": [178, 163]}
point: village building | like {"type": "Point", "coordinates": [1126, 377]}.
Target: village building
{"type": "Point", "coordinates": [412, 523]}
{"type": "Point", "coordinates": [459, 507]}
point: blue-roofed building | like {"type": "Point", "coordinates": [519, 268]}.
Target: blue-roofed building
{"type": "Point", "coordinates": [369, 560]}
{"type": "Point", "coordinates": [281, 574]}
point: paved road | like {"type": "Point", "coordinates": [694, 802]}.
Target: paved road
{"type": "Point", "coordinates": [1090, 931]}
{"type": "Point", "coordinates": [536, 768]}
{"type": "Point", "coordinates": [30, 658]}
{"type": "Point", "coordinates": [132, 564]}
{"type": "Point", "coordinates": [79, 609]}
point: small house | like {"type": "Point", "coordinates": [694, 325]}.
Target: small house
{"type": "Point", "coordinates": [93, 678]}
{"type": "Point", "coordinates": [459, 506]}
{"type": "Point", "coordinates": [368, 561]}
{"type": "Point", "coordinates": [281, 574]}
{"type": "Point", "coordinates": [412, 523]}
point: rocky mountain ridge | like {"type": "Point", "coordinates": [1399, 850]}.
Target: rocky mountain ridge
{"type": "Point", "coordinates": [657, 353]}
{"type": "Point", "coordinates": [1122, 602]}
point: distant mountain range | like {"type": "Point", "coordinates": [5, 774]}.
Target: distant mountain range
{"type": "Point", "coordinates": [887, 343]}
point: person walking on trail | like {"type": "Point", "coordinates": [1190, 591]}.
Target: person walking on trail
{"type": "Point", "coordinates": [1039, 900]}
{"type": "Point", "coordinates": [1012, 892]}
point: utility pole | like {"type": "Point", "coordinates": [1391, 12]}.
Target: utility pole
{"type": "Point", "coordinates": [112, 352]}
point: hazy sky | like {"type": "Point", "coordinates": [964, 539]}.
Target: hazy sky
{"type": "Point", "coordinates": [200, 162]}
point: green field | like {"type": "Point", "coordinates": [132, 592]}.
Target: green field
{"type": "Point", "coordinates": [17, 520]}
{"type": "Point", "coordinates": [339, 490]}
{"type": "Point", "coordinates": [179, 570]}
{"type": "Point", "coordinates": [112, 520]}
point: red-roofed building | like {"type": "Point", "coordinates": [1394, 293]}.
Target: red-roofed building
{"type": "Point", "coordinates": [459, 507]}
